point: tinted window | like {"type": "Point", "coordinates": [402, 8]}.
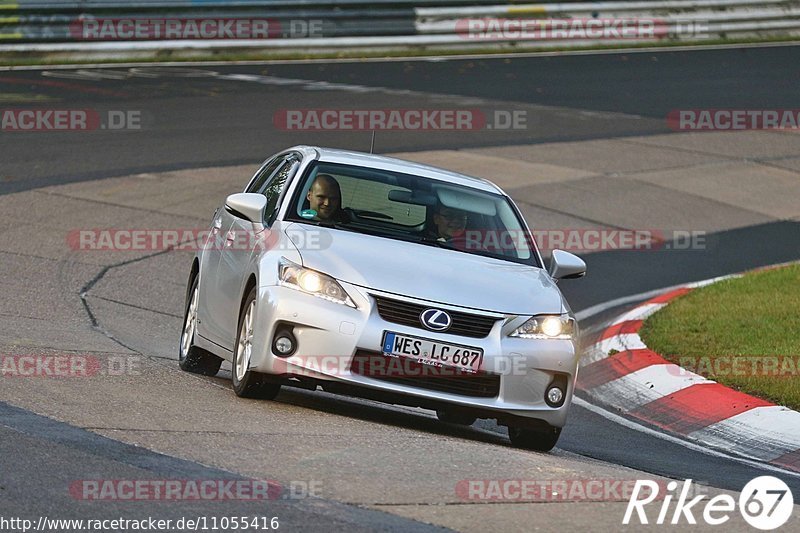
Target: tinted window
{"type": "Point", "coordinates": [264, 174]}
{"type": "Point", "coordinates": [275, 187]}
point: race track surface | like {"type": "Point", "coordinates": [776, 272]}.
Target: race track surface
{"type": "Point", "coordinates": [596, 151]}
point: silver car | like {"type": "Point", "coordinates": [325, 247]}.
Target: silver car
{"type": "Point", "coordinates": [389, 280]}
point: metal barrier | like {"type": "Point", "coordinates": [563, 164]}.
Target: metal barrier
{"type": "Point", "coordinates": [50, 26]}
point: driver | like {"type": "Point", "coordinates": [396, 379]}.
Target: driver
{"type": "Point", "coordinates": [325, 197]}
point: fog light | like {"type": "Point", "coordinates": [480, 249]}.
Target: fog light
{"type": "Point", "coordinates": [555, 396]}
{"type": "Point", "coordinates": [283, 345]}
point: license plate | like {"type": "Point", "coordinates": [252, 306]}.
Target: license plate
{"type": "Point", "coordinates": [432, 352]}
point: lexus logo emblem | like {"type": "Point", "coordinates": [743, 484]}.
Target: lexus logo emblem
{"type": "Point", "coordinates": [436, 319]}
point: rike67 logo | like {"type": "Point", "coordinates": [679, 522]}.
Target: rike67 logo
{"type": "Point", "coordinates": [765, 503]}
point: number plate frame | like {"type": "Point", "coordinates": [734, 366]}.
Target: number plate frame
{"type": "Point", "coordinates": [429, 347]}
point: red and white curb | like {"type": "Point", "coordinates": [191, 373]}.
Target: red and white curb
{"type": "Point", "coordinates": [643, 385]}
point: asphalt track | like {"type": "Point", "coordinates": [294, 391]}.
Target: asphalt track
{"type": "Point", "coordinates": [207, 121]}
{"type": "Point", "coordinates": [196, 121]}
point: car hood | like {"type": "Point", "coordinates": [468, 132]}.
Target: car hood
{"type": "Point", "coordinates": [429, 273]}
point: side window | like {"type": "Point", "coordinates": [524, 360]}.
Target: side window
{"type": "Point", "coordinates": [275, 187]}
{"type": "Point", "coordinates": [264, 174]}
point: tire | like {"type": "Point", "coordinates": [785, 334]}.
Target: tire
{"type": "Point", "coordinates": [246, 383]}
{"type": "Point", "coordinates": [190, 357]}
{"type": "Point", "coordinates": [455, 417]}
{"type": "Point", "coordinates": [540, 440]}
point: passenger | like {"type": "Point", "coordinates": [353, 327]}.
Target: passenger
{"type": "Point", "coordinates": [449, 223]}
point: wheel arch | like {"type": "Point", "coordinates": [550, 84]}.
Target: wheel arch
{"type": "Point", "coordinates": [252, 282]}
{"type": "Point", "coordinates": [193, 273]}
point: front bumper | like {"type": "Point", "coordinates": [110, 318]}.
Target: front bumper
{"type": "Point", "coordinates": [331, 336]}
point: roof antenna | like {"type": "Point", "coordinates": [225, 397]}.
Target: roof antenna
{"type": "Point", "coordinates": [372, 143]}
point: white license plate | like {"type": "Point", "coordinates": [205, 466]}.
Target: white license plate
{"type": "Point", "coordinates": [433, 352]}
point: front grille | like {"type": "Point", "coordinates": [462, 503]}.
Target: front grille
{"type": "Point", "coordinates": [408, 372]}
{"type": "Point", "coordinates": [406, 313]}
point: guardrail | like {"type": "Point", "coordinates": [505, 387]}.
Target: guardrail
{"type": "Point", "coordinates": [78, 26]}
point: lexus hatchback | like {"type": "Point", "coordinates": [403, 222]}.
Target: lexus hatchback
{"type": "Point", "coordinates": [385, 279]}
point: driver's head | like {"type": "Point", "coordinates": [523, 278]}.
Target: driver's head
{"type": "Point", "coordinates": [325, 197]}
{"type": "Point", "coordinates": [449, 222]}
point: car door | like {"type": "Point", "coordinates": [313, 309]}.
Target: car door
{"type": "Point", "coordinates": [240, 243]}
{"type": "Point", "coordinates": [208, 327]}
{"type": "Point", "coordinates": [211, 300]}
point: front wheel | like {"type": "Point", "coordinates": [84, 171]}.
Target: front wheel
{"type": "Point", "coordinates": [246, 383]}
{"type": "Point", "coordinates": [190, 357]}
{"type": "Point", "coordinates": [541, 440]}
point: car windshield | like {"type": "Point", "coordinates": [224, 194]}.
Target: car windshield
{"type": "Point", "coordinates": [412, 208]}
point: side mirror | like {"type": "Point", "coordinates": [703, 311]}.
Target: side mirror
{"type": "Point", "coordinates": [565, 265]}
{"type": "Point", "coordinates": [249, 206]}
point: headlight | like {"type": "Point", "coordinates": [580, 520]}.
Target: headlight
{"type": "Point", "coordinates": [312, 282]}
{"type": "Point", "coordinates": [546, 327]}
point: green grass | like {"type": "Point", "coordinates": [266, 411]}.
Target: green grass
{"type": "Point", "coordinates": [233, 54]}
{"type": "Point", "coordinates": [743, 333]}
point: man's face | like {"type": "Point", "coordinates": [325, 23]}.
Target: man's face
{"type": "Point", "coordinates": [450, 222]}
{"type": "Point", "coordinates": [324, 198]}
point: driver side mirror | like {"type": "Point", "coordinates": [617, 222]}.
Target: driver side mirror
{"type": "Point", "coordinates": [565, 265]}
{"type": "Point", "coordinates": [249, 206]}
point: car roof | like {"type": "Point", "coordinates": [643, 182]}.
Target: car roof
{"type": "Point", "coordinates": [380, 162]}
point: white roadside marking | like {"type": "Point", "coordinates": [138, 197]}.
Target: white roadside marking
{"type": "Point", "coordinates": [639, 313]}
{"type": "Point", "coordinates": [703, 283]}
{"type": "Point", "coordinates": [622, 421]}
{"type": "Point", "coordinates": [646, 385]}
{"type": "Point", "coordinates": [620, 343]}
{"type": "Point", "coordinates": [433, 58]}
{"type": "Point", "coordinates": [592, 354]}
{"type": "Point", "coordinates": [764, 432]}
{"type": "Point", "coordinates": [618, 302]}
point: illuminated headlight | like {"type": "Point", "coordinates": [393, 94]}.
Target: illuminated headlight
{"type": "Point", "coordinates": [546, 327]}
{"type": "Point", "coordinates": [312, 282]}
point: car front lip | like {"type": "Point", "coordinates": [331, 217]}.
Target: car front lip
{"type": "Point", "coordinates": [329, 335]}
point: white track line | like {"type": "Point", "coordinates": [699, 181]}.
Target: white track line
{"type": "Point", "coordinates": [454, 57]}
{"type": "Point", "coordinates": [646, 385]}
{"type": "Point", "coordinates": [752, 432]}
{"type": "Point", "coordinates": [640, 312]}
{"type": "Point", "coordinates": [674, 440]}
{"type": "Point", "coordinates": [621, 343]}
